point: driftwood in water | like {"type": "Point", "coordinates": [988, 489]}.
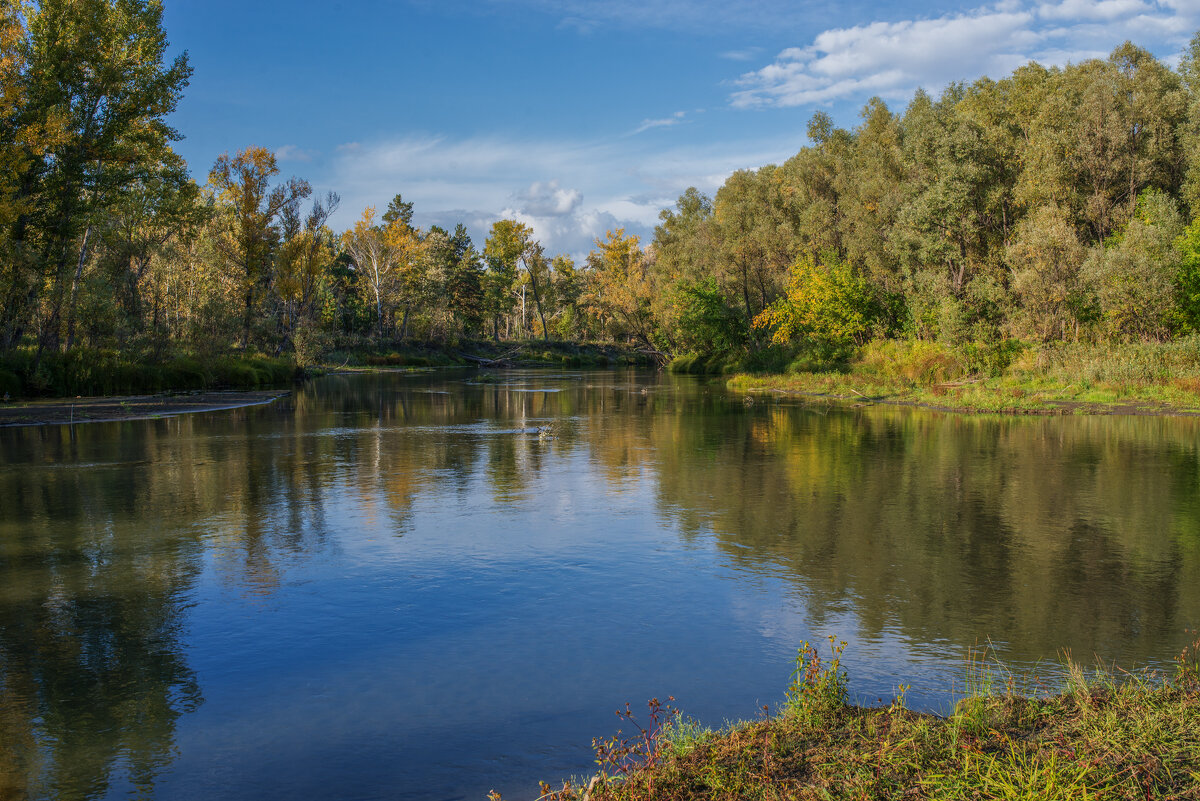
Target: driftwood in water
{"type": "Point", "coordinates": [500, 361]}
{"type": "Point", "coordinates": [661, 359]}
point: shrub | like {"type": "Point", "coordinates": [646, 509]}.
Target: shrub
{"type": "Point", "coordinates": [917, 361]}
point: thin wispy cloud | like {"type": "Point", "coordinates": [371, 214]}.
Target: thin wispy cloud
{"type": "Point", "coordinates": [665, 122]}
{"type": "Point", "coordinates": [892, 59]}
{"type": "Point", "coordinates": [747, 54]}
{"type": "Point", "coordinates": [699, 16]}
{"type": "Point", "coordinates": [295, 153]}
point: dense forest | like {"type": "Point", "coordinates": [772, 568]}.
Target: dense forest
{"type": "Point", "coordinates": [1055, 204]}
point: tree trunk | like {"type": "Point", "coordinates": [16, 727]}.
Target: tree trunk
{"type": "Point", "coordinates": [378, 311]}
{"type": "Point", "coordinates": [87, 234]}
{"type": "Point", "coordinates": [537, 301]}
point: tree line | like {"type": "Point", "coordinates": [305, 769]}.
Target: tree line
{"type": "Point", "coordinates": [1054, 204]}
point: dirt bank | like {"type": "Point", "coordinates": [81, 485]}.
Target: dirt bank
{"type": "Point", "coordinates": [65, 411]}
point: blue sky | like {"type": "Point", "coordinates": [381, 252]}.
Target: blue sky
{"type": "Point", "coordinates": [582, 115]}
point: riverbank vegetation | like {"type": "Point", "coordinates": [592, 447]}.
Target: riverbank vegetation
{"type": "Point", "coordinates": [995, 226]}
{"type": "Point", "coordinates": [1046, 378]}
{"type": "Point", "coordinates": [1105, 734]}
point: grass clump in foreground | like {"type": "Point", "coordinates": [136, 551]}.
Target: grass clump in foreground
{"type": "Point", "coordinates": [1104, 735]}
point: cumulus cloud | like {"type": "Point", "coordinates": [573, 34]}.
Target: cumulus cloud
{"type": "Point", "coordinates": [579, 189]}
{"type": "Point", "coordinates": [892, 59]}
{"type": "Point", "coordinates": [548, 199]}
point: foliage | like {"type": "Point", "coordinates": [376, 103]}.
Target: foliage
{"type": "Point", "coordinates": [701, 322]}
{"type": "Point", "coordinates": [997, 219]}
{"type": "Point", "coordinates": [817, 689]}
{"type": "Point", "coordinates": [1128, 735]}
{"type": "Point", "coordinates": [1135, 277]}
{"type": "Point", "coordinates": [826, 301]}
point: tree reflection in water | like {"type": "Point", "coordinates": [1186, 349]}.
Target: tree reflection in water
{"type": "Point", "coordinates": [1040, 534]}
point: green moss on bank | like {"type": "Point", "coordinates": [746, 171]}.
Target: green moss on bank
{"type": "Point", "coordinates": [1005, 377]}
{"type": "Point", "coordinates": [1104, 736]}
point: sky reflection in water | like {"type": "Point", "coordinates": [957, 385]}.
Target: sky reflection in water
{"type": "Point", "coordinates": [392, 586]}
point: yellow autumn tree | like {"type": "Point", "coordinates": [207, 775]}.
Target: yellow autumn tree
{"type": "Point", "coordinates": [621, 290]}
{"type": "Point", "coordinates": [388, 259]}
{"type": "Point", "coordinates": [826, 300]}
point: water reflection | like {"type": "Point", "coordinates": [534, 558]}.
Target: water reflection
{"type": "Point", "coordinates": [159, 579]}
{"type": "Point", "coordinates": [1041, 534]}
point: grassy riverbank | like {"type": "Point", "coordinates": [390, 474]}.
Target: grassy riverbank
{"type": "Point", "coordinates": [1105, 735]}
{"type": "Point", "coordinates": [96, 373]}
{"type": "Point", "coordinates": [530, 353]}
{"type": "Point", "coordinates": [1010, 377]}
{"type": "Point", "coordinates": [103, 373]}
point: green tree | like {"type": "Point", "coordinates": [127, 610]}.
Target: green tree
{"type": "Point", "coordinates": [154, 209]}
{"type": "Point", "coordinates": [508, 250]}
{"type": "Point", "coordinates": [700, 321]}
{"type": "Point", "coordinates": [754, 236]}
{"type": "Point", "coordinates": [100, 65]}
{"type": "Point", "coordinates": [1045, 257]}
{"type": "Point", "coordinates": [1136, 276]}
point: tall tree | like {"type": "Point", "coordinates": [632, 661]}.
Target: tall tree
{"type": "Point", "coordinates": [26, 135]}
{"type": "Point", "coordinates": [100, 64]}
{"type": "Point", "coordinates": [153, 210]}
{"type": "Point", "coordinates": [507, 249]}
{"type": "Point", "coordinates": [305, 257]}
{"type": "Point", "coordinates": [621, 287]}
{"type": "Point", "coordinates": [373, 258]}
{"type": "Point", "coordinates": [252, 209]}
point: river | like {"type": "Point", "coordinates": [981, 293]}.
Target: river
{"type": "Point", "coordinates": [430, 585]}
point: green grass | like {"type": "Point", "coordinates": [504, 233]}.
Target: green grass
{"type": "Point", "coordinates": [1005, 377]}
{"type": "Point", "coordinates": [90, 373]}
{"type": "Point", "coordinates": [1104, 735]}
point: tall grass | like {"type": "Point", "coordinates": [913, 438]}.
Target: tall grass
{"type": "Point", "coordinates": [1104, 734]}
{"type": "Point", "coordinates": [1005, 376]}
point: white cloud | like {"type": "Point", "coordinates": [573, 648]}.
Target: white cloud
{"type": "Point", "coordinates": [892, 59]}
{"type": "Point", "coordinates": [570, 191]}
{"type": "Point", "coordinates": [549, 199]}
{"type": "Point", "coordinates": [747, 54]}
{"type": "Point", "coordinates": [665, 122]}
{"type": "Point", "coordinates": [1103, 10]}
{"type": "Point", "coordinates": [294, 153]}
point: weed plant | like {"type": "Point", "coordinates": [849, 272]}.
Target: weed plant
{"type": "Point", "coordinates": [1106, 734]}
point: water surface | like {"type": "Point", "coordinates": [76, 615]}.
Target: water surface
{"type": "Point", "coordinates": [395, 587]}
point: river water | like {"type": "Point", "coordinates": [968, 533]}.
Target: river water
{"type": "Point", "coordinates": [393, 586]}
